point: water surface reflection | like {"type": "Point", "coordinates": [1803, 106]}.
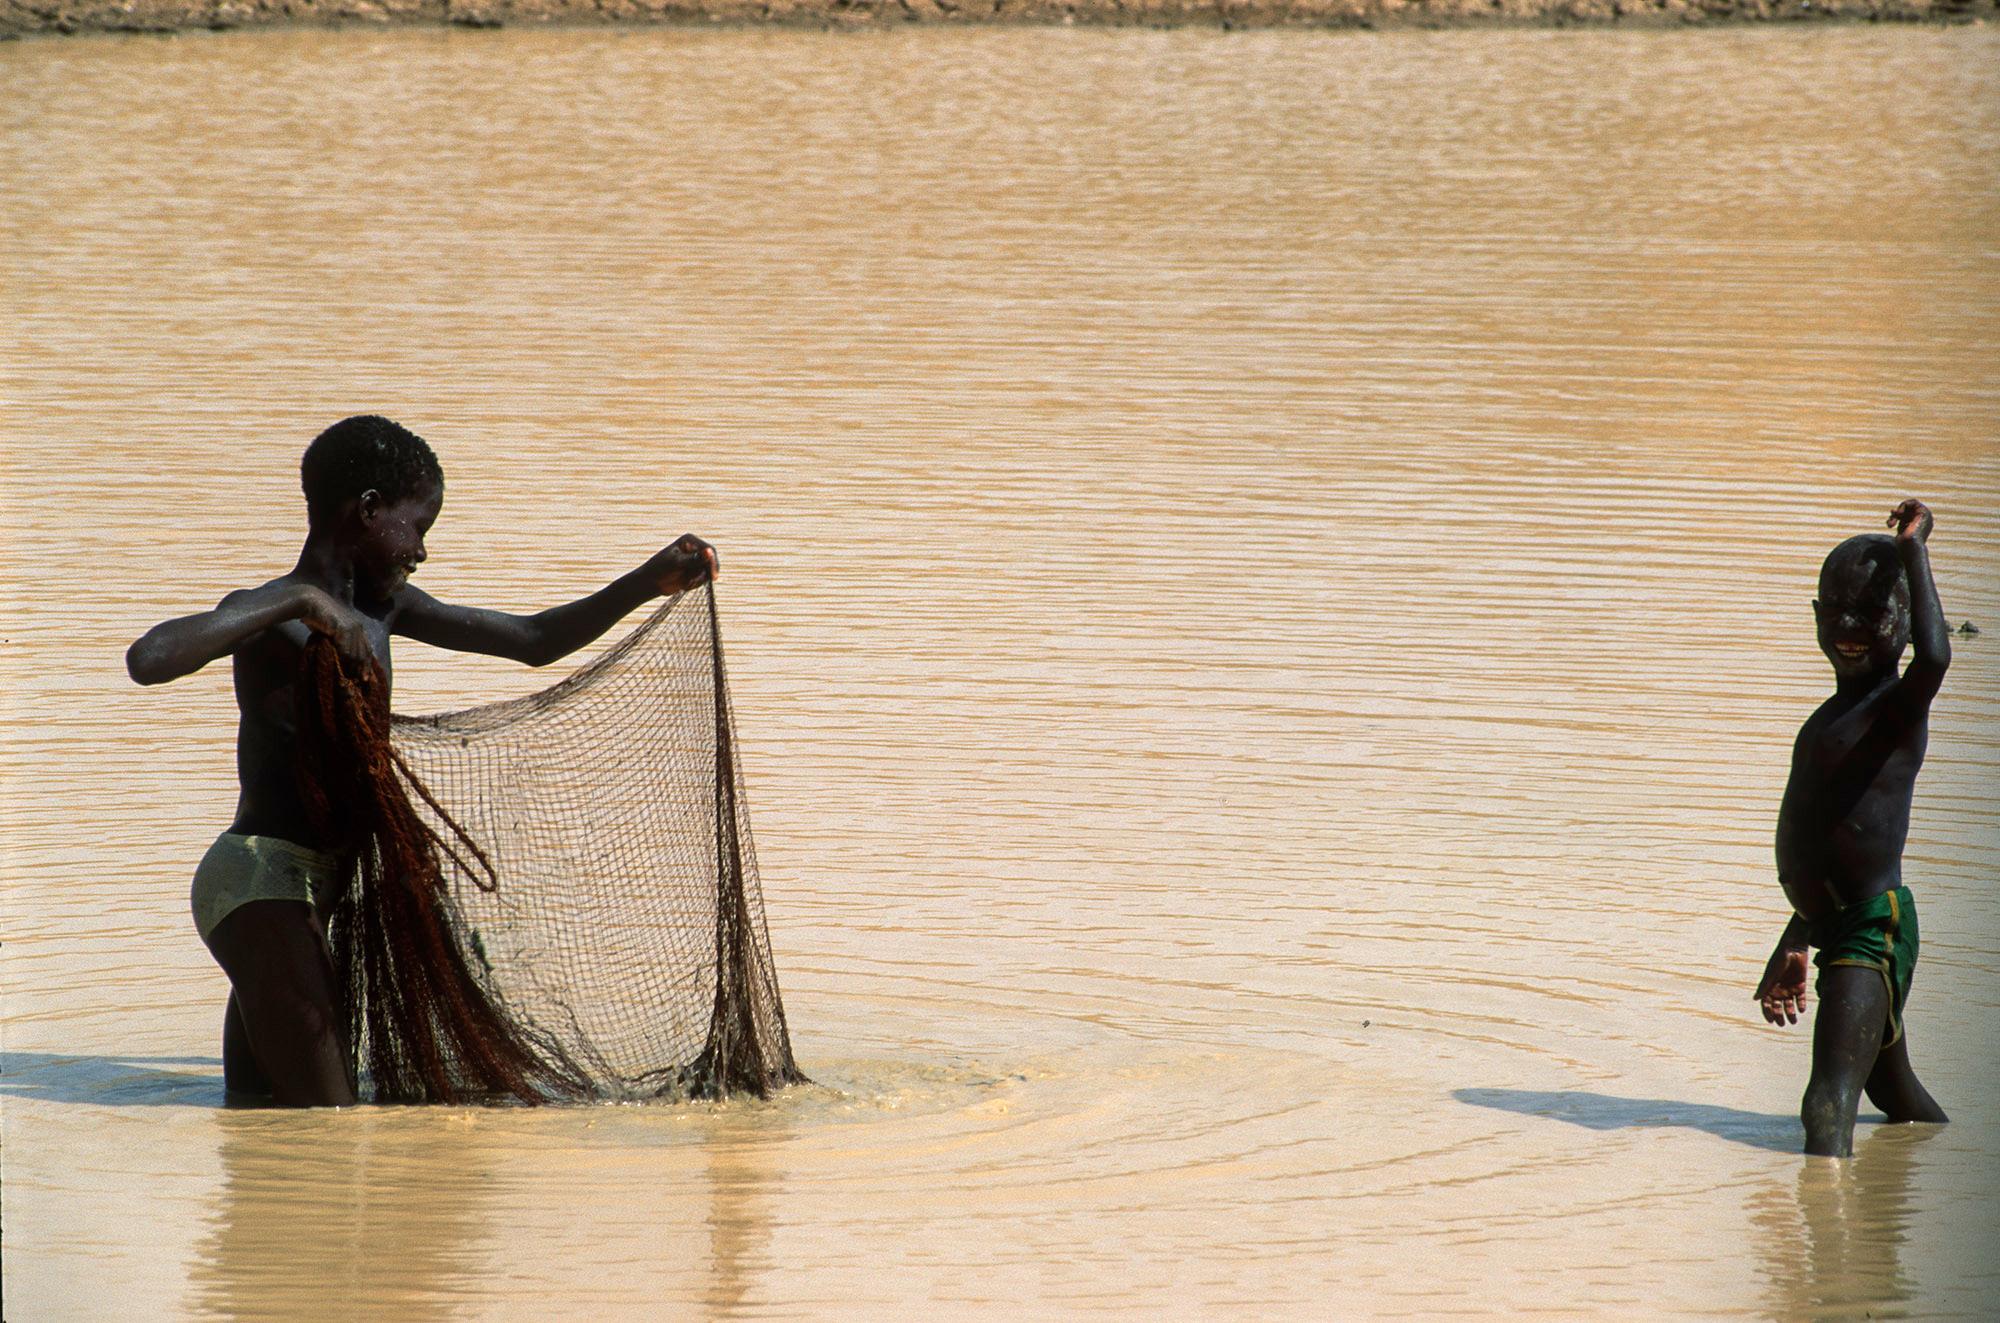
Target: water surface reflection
{"type": "Point", "coordinates": [375, 1213]}
{"type": "Point", "coordinates": [1833, 1239]}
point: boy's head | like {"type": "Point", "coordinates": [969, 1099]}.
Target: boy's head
{"type": "Point", "coordinates": [1863, 607]}
{"type": "Point", "coordinates": [363, 454]}
{"type": "Point", "coordinates": [376, 488]}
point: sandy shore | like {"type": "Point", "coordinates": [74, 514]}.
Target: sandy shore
{"type": "Point", "coordinates": [47, 17]}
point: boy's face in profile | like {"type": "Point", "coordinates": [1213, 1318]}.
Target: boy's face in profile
{"type": "Point", "coordinates": [392, 540]}
{"type": "Point", "coordinates": [1863, 608]}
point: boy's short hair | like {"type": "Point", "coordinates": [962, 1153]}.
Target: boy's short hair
{"type": "Point", "coordinates": [362, 453]}
{"type": "Point", "coordinates": [1864, 576]}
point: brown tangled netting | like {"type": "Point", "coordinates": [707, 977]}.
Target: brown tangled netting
{"type": "Point", "coordinates": [553, 899]}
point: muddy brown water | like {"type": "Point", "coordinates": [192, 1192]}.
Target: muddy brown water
{"type": "Point", "coordinates": [1266, 579]}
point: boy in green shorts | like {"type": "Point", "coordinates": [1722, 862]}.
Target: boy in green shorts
{"type": "Point", "coordinates": [1841, 829]}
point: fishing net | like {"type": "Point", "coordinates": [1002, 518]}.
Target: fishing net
{"type": "Point", "coordinates": [555, 898]}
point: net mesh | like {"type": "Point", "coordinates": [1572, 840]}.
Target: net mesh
{"type": "Point", "coordinates": [583, 918]}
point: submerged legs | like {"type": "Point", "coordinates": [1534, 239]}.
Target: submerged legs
{"type": "Point", "coordinates": [285, 1001]}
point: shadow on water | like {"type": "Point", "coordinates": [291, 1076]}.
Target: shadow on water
{"type": "Point", "coordinates": [1599, 1111]}
{"type": "Point", "coordinates": [135, 1081]}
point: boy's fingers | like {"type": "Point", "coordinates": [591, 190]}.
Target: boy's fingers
{"type": "Point", "coordinates": [1781, 1008]}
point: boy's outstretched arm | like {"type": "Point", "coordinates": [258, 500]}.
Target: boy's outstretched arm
{"type": "Point", "coordinates": [555, 633]}
{"type": "Point", "coordinates": [1782, 990]}
{"type": "Point", "coordinates": [1930, 636]}
{"type": "Point", "coordinates": [184, 645]}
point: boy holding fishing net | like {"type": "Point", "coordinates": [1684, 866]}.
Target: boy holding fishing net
{"type": "Point", "coordinates": [310, 656]}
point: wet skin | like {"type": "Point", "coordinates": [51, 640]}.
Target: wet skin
{"type": "Point", "coordinates": [283, 1030]}
{"type": "Point", "coordinates": [1846, 816]}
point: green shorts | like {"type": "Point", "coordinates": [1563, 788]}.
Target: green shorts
{"type": "Point", "coordinates": [239, 869]}
{"type": "Point", "coordinates": [1880, 933]}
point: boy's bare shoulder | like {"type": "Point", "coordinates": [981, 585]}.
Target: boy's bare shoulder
{"type": "Point", "coordinates": [1815, 721]}
{"type": "Point", "coordinates": [276, 643]}
{"type": "Point", "coordinates": [249, 596]}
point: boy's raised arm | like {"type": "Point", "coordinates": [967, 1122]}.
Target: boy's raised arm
{"type": "Point", "coordinates": [185, 644]}
{"type": "Point", "coordinates": [553, 634]}
{"type": "Point", "coordinates": [1930, 636]}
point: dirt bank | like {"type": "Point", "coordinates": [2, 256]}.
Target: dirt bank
{"type": "Point", "coordinates": [46, 17]}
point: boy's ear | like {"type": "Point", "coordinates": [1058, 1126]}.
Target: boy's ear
{"type": "Point", "coordinates": [1816, 611]}
{"type": "Point", "coordinates": [369, 504]}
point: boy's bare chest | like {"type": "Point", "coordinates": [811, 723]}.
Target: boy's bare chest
{"type": "Point", "coordinates": [267, 677]}
{"type": "Point", "coordinates": [1855, 754]}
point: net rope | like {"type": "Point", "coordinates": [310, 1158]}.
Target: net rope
{"type": "Point", "coordinates": [555, 898]}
